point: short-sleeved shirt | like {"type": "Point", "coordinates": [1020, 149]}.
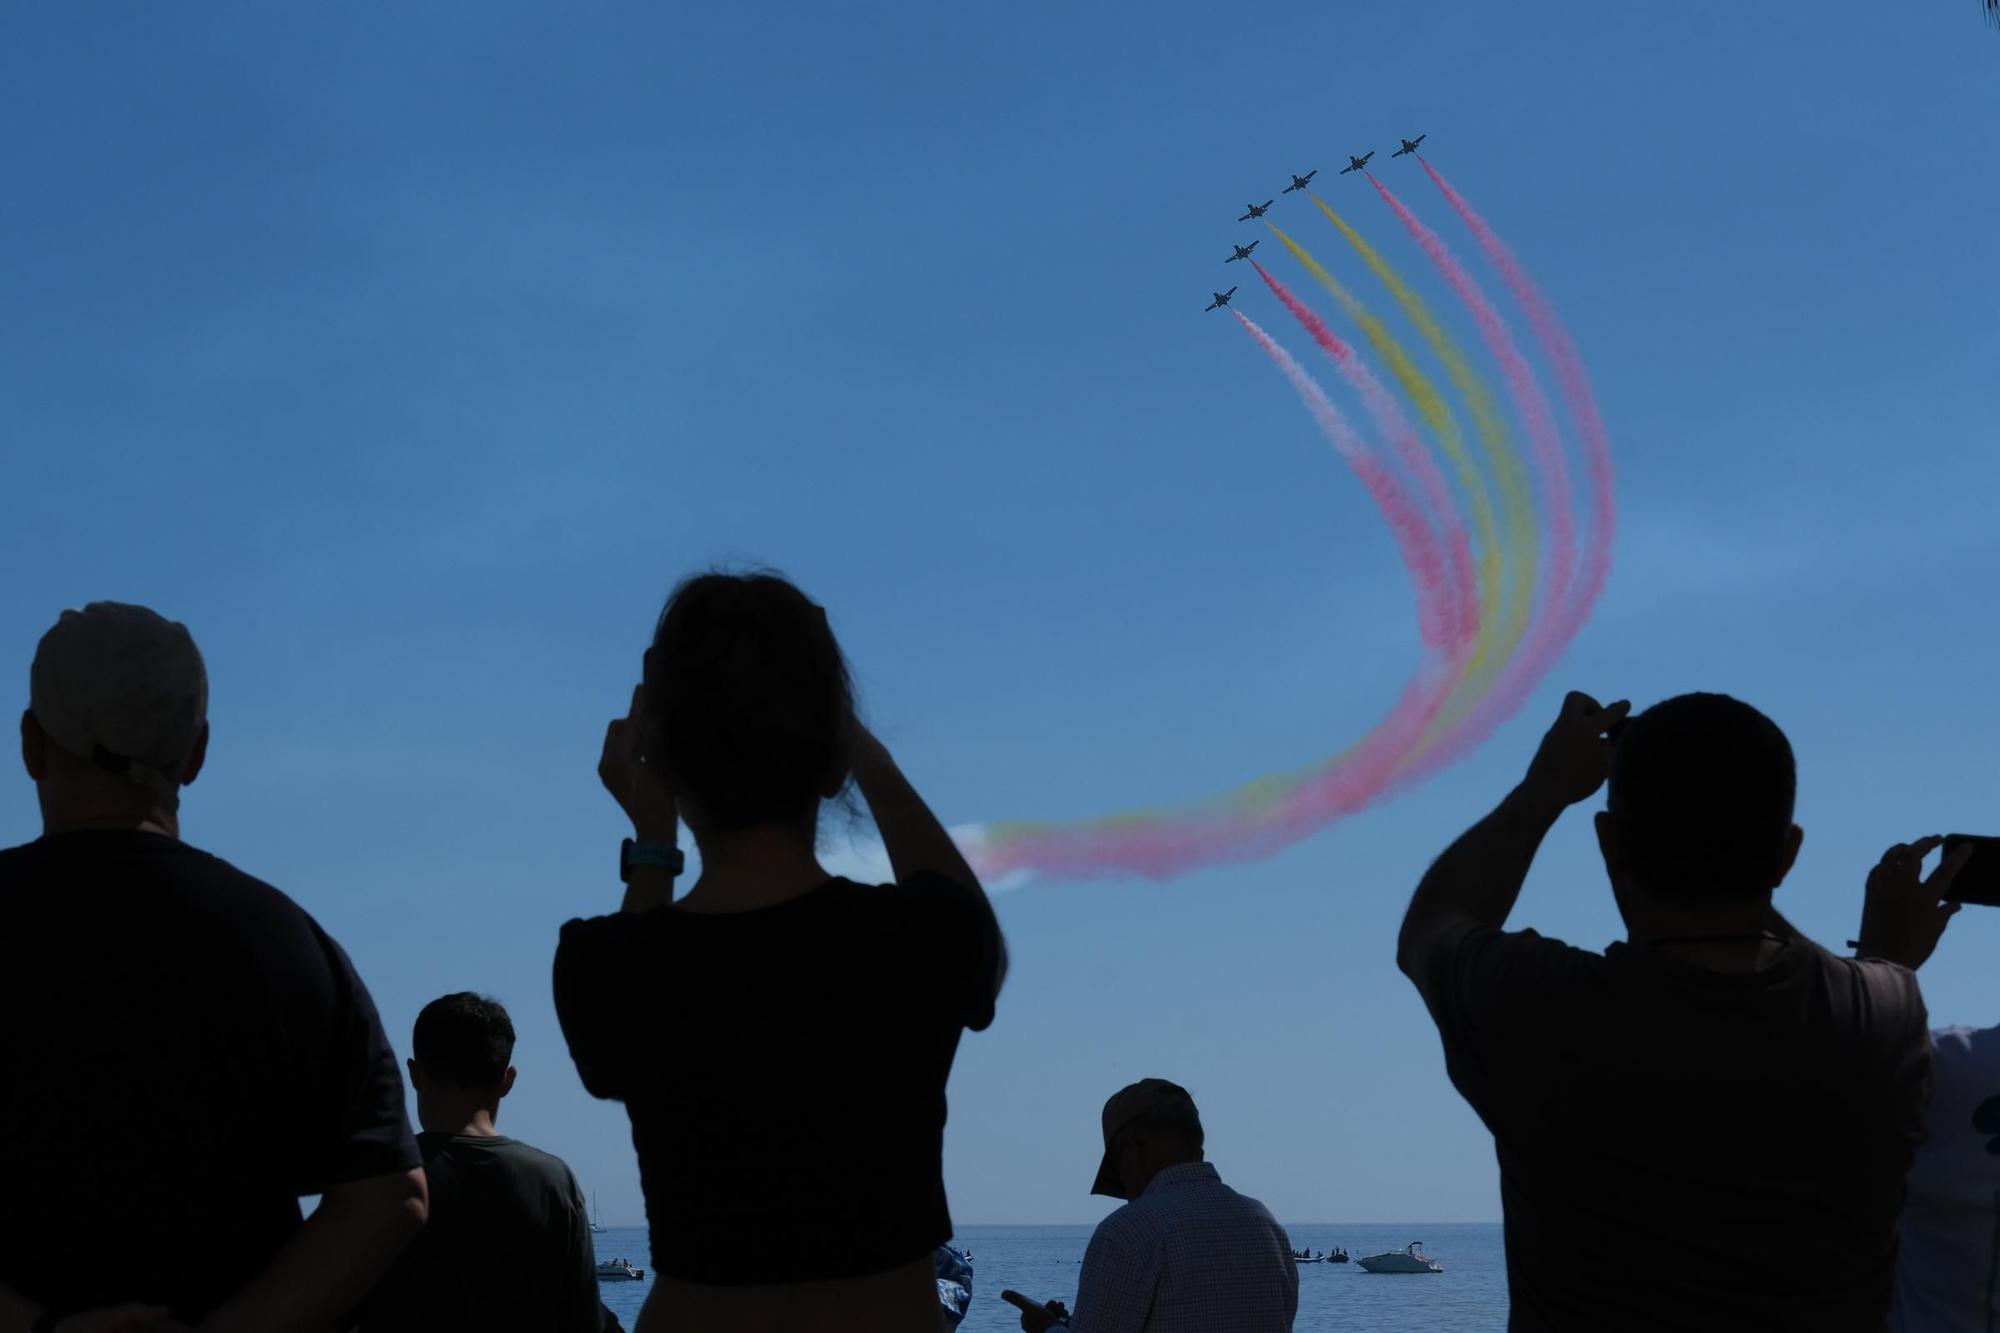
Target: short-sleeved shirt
{"type": "Point", "coordinates": [1189, 1255]}
{"type": "Point", "coordinates": [1686, 1149]}
{"type": "Point", "coordinates": [183, 1054]}
{"type": "Point", "coordinates": [785, 1069]}
{"type": "Point", "coordinates": [1948, 1266]}
{"type": "Point", "coordinates": [507, 1248]}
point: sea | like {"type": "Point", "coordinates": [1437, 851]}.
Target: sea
{"type": "Point", "coordinates": [1470, 1296]}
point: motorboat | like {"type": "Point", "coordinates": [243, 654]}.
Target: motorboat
{"type": "Point", "coordinates": [1410, 1259]}
{"type": "Point", "coordinates": [617, 1270]}
{"type": "Point", "coordinates": [1339, 1256]}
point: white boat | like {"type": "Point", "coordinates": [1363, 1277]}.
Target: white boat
{"type": "Point", "coordinates": [617, 1270]}
{"type": "Point", "coordinates": [1410, 1259]}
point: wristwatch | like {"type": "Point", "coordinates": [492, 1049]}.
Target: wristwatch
{"type": "Point", "coordinates": [632, 853]}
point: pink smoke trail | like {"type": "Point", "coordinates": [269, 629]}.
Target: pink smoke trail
{"type": "Point", "coordinates": [1391, 420]}
{"type": "Point", "coordinates": [1271, 814]}
{"type": "Point", "coordinates": [1526, 390]}
{"type": "Point", "coordinates": [1577, 396]}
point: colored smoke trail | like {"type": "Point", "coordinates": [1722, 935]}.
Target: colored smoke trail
{"type": "Point", "coordinates": [1262, 816]}
{"type": "Point", "coordinates": [1553, 626]}
{"type": "Point", "coordinates": [1436, 413]}
{"type": "Point", "coordinates": [1494, 437]}
{"type": "Point", "coordinates": [1389, 419]}
{"type": "Point", "coordinates": [1577, 396]}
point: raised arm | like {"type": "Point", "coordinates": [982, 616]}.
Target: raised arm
{"type": "Point", "coordinates": [645, 794]}
{"type": "Point", "coordinates": [1479, 877]}
{"type": "Point", "coordinates": [332, 1261]}
{"type": "Point", "coordinates": [911, 834]}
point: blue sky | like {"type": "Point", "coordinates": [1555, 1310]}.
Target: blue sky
{"type": "Point", "coordinates": [411, 353]}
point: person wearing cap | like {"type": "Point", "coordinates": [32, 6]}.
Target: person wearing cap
{"type": "Point", "coordinates": [1186, 1254]}
{"type": "Point", "coordinates": [186, 1054]}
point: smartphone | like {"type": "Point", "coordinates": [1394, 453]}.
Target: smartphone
{"type": "Point", "coordinates": [1978, 881]}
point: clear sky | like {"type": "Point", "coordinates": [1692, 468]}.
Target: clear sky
{"type": "Point", "coordinates": [410, 353]}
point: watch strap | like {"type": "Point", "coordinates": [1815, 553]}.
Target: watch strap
{"type": "Point", "coordinates": [663, 854]}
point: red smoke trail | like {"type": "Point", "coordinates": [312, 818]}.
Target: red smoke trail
{"type": "Point", "coordinates": [1529, 401]}
{"type": "Point", "coordinates": [1575, 382]}
{"type": "Point", "coordinates": [1392, 422]}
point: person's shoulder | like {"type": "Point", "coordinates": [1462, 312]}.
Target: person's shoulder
{"type": "Point", "coordinates": [592, 934]}
{"type": "Point", "coordinates": [1132, 1225]}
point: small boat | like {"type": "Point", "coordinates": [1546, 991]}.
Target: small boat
{"type": "Point", "coordinates": [1339, 1256]}
{"type": "Point", "coordinates": [1410, 1259]}
{"type": "Point", "coordinates": [617, 1270]}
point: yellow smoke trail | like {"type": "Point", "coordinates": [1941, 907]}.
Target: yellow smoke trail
{"type": "Point", "coordinates": [1436, 412]}
{"type": "Point", "coordinates": [1496, 441]}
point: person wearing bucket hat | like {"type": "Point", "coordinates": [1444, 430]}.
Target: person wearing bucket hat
{"type": "Point", "coordinates": [1186, 1254]}
{"type": "Point", "coordinates": [187, 1053]}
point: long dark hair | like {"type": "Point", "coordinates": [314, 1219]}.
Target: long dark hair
{"type": "Point", "coordinates": [749, 704]}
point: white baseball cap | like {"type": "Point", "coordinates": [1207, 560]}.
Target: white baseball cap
{"type": "Point", "coordinates": [123, 687]}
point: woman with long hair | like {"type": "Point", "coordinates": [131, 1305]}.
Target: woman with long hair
{"type": "Point", "coordinates": [780, 1036]}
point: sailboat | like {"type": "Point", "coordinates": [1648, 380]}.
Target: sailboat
{"type": "Point", "coordinates": [596, 1227]}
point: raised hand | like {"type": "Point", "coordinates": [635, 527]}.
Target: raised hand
{"type": "Point", "coordinates": [1575, 755]}
{"type": "Point", "coordinates": [641, 788]}
{"type": "Point", "coordinates": [1903, 914]}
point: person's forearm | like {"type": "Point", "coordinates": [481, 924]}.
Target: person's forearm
{"type": "Point", "coordinates": [1479, 877]}
{"type": "Point", "coordinates": [911, 834]}
{"type": "Point", "coordinates": [647, 887]}
{"type": "Point", "coordinates": [332, 1262]}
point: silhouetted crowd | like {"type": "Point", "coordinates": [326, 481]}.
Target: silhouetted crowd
{"type": "Point", "coordinates": [1715, 1123]}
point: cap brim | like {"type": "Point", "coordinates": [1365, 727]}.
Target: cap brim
{"type": "Point", "coordinates": [1107, 1179]}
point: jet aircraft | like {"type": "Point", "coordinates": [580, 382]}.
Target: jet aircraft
{"type": "Point", "coordinates": [1409, 146]}
{"type": "Point", "coordinates": [1357, 163]}
{"type": "Point", "coordinates": [1221, 299]}
{"type": "Point", "coordinates": [1257, 210]}
{"type": "Point", "coordinates": [1242, 251]}
{"type": "Point", "coordinates": [1300, 182]}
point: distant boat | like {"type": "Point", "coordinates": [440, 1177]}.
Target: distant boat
{"type": "Point", "coordinates": [617, 1270]}
{"type": "Point", "coordinates": [1411, 1259]}
{"type": "Point", "coordinates": [1339, 1256]}
{"type": "Point", "coordinates": [596, 1227]}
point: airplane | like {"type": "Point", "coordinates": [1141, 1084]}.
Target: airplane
{"type": "Point", "coordinates": [1409, 146]}
{"type": "Point", "coordinates": [1357, 163]}
{"type": "Point", "coordinates": [1221, 299]}
{"type": "Point", "coordinates": [1242, 251]}
{"type": "Point", "coordinates": [1298, 183]}
{"type": "Point", "coordinates": [1257, 210]}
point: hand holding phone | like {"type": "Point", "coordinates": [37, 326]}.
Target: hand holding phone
{"type": "Point", "coordinates": [1035, 1315]}
{"type": "Point", "coordinates": [1904, 912]}
{"type": "Point", "coordinates": [1978, 880]}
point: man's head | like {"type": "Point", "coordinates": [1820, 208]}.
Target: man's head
{"type": "Point", "coordinates": [1698, 820]}
{"type": "Point", "coordinates": [1148, 1126]}
{"type": "Point", "coordinates": [462, 1051]}
{"type": "Point", "coordinates": [117, 719]}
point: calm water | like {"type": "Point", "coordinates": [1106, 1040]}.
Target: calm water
{"type": "Point", "coordinates": [1470, 1296]}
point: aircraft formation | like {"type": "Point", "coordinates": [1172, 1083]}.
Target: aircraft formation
{"type": "Point", "coordinates": [1409, 147]}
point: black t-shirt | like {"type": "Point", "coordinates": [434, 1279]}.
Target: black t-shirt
{"type": "Point", "coordinates": [1683, 1149]}
{"type": "Point", "coordinates": [183, 1054]}
{"type": "Point", "coordinates": [785, 1070]}
{"type": "Point", "coordinates": [507, 1248]}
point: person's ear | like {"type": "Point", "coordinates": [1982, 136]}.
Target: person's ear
{"type": "Point", "coordinates": [34, 746]}
{"type": "Point", "coordinates": [1794, 838]}
{"type": "Point", "coordinates": [1607, 845]}
{"type": "Point", "coordinates": [191, 769]}
{"type": "Point", "coordinates": [507, 1081]}
{"type": "Point", "coordinates": [416, 1076]}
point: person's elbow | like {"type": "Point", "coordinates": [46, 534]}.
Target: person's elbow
{"type": "Point", "coordinates": [399, 1202]}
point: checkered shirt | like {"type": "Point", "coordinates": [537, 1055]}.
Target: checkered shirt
{"type": "Point", "coordinates": [1190, 1255]}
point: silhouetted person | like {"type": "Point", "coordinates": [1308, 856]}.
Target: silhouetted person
{"type": "Point", "coordinates": [1705, 1126]}
{"type": "Point", "coordinates": [1948, 1259]}
{"type": "Point", "coordinates": [508, 1244]}
{"type": "Point", "coordinates": [781, 1038]}
{"type": "Point", "coordinates": [183, 1052]}
{"type": "Point", "coordinates": [1187, 1254]}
